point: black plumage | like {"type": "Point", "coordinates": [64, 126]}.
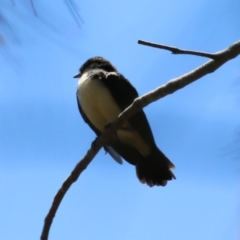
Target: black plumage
{"type": "Point", "coordinates": [152, 166]}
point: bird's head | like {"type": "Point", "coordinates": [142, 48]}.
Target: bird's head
{"type": "Point", "coordinates": [96, 63]}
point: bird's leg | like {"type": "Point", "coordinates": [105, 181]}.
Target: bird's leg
{"type": "Point", "coordinates": [108, 126]}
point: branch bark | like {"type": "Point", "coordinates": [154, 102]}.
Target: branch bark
{"type": "Point", "coordinates": [175, 50]}
{"type": "Point", "coordinates": [218, 60]}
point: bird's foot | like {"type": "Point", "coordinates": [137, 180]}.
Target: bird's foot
{"type": "Point", "coordinates": [107, 127]}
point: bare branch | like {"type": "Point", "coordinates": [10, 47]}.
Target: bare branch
{"type": "Point", "coordinates": [33, 7]}
{"type": "Point", "coordinates": [175, 50]}
{"type": "Point", "coordinates": [74, 10]}
{"type": "Point", "coordinates": [79, 168]}
{"type": "Point", "coordinates": [139, 103]}
{"type": "Point", "coordinates": [7, 26]}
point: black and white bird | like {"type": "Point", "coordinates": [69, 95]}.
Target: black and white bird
{"type": "Point", "coordinates": [102, 94]}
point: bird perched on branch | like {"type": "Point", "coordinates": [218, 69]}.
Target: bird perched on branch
{"type": "Point", "coordinates": [102, 94]}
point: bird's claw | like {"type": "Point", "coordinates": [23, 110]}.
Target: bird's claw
{"type": "Point", "coordinates": [107, 127]}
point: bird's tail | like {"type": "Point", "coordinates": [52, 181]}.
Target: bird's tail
{"type": "Point", "coordinates": [155, 169]}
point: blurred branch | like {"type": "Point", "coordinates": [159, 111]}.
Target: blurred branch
{"type": "Point", "coordinates": [175, 50]}
{"type": "Point", "coordinates": [11, 7]}
{"type": "Point", "coordinates": [33, 8]}
{"type": "Point", "coordinates": [74, 10]}
{"type": "Point", "coordinates": [219, 59]}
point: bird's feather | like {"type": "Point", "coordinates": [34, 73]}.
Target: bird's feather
{"type": "Point", "coordinates": [108, 149]}
{"type": "Point", "coordinates": [103, 94]}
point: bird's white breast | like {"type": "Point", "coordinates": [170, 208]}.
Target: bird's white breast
{"type": "Point", "coordinates": [97, 102]}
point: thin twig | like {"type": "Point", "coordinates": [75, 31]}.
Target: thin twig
{"type": "Point", "coordinates": [175, 50]}
{"type": "Point", "coordinates": [139, 103]}
{"type": "Point", "coordinates": [33, 7]}
{"type": "Point", "coordinates": [74, 10]}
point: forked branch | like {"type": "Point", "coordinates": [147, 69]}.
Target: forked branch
{"type": "Point", "coordinates": [217, 61]}
{"type": "Point", "coordinates": [175, 50]}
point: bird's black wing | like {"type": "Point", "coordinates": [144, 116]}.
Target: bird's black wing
{"type": "Point", "coordinates": [108, 149]}
{"type": "Point", "coordinates": [124, 93]}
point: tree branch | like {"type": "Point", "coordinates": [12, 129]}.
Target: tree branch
{"type": "Point", "coordinates": [175, 50]}
{"type": "Point", "coordinates": [33, 7]}
{"type": "Point", "coordinates": [139, 103]}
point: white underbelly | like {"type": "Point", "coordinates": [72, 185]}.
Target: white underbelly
{"type": "Point", "coordinates": [97, 103]}
{"type": "Point", "coordinates": [101, 109]}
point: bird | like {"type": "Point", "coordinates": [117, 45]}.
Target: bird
{"type": "Point", "coordinates": [102, 94]}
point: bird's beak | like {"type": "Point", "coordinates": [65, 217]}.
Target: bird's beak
{"type": "Point", "coordinates": [77, 76]}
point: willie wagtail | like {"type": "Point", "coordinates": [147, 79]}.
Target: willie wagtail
{"type": "Point", "coordinates": [102, 94]}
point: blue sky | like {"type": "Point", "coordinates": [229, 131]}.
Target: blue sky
{"type": "Point", "coordinates": [43, 136]}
